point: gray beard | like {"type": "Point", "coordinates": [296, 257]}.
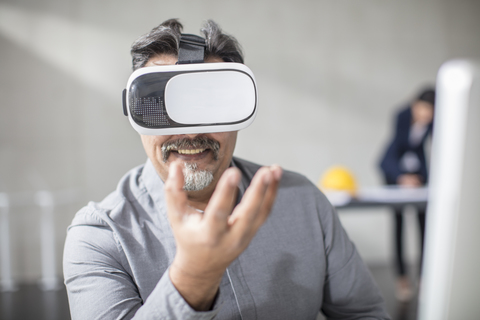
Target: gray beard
{"type": "Point", "coordinates": [196, 180]}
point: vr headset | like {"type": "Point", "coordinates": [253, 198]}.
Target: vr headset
{"type": "Point", "coordinates": [191, 96]}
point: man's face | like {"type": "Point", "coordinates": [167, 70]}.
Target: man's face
{"type": "Point", "coordinates": [205, 156]}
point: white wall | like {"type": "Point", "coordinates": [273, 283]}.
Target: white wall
{"type": "Point", "coordinates": [330, 75]}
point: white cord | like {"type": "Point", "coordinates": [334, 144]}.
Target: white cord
{"type": "Point", "coordinates": [235, 294]}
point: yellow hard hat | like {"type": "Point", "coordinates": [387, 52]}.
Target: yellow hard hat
{"type": "Point", "coordinates": [338, 178]}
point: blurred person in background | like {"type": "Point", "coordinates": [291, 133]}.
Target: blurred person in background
{"type": "Point", "coordinates": [404, 164]}
{"type": "Point", "coordinates": [186, 235]}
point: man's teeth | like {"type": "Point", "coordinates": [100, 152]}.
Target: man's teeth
{"type": "Point", "coordinates": [190, 151]}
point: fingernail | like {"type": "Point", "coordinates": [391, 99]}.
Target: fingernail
{"type": "Point", "coordinates": [236, 177]}
{"type": "Point", "coordinates": [267, 177]}
{"type": "Point", "coordinates": [277, 171]}
{"type": "Point", "coordinates": [173, 171]}
{"type": "Point", "coordinates": [231, 178]}
{"type": "Point", "coordinates": [278, 174]}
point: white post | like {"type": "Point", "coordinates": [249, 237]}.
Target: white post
{"type": "Point", "coordinates": [6, 280]}
{"type": "Point", "coordinates": [49, 281]}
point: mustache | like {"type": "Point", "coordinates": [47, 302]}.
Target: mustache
{"type": "Point", "coordinates": [199, 142]}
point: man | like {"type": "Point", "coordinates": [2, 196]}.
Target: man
{"type": "Point", "coordinates": [186, 236]}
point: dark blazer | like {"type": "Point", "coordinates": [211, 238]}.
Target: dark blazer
{"type": "Point", "coordinates": [390, 163]}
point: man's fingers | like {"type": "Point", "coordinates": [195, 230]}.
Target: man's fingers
{"type": "Point", "coordinates": [223, 199]}
{"type": "Point", "coordinates": [249, 207]}
{"type": "Point", "coordinates": [175, 196]}
{"type": "Point", "coordinates": [270, 196]}
{"type": "Point", "coordinates": [257, 202]}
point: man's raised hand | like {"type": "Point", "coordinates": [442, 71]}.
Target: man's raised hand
{"type": "Point", "coordinates": [207, 243]}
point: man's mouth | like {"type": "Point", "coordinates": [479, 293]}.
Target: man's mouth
{"type": "Point", "coordinates": [198, 146]}
{"type": "Point", "coordinates": [195, 154]}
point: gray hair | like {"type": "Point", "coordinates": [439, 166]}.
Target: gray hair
{"type": "Point", "coordinates": [165, 38]}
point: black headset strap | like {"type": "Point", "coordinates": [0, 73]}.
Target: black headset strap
{"type": "Point", "coordinates": [191, 49]}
